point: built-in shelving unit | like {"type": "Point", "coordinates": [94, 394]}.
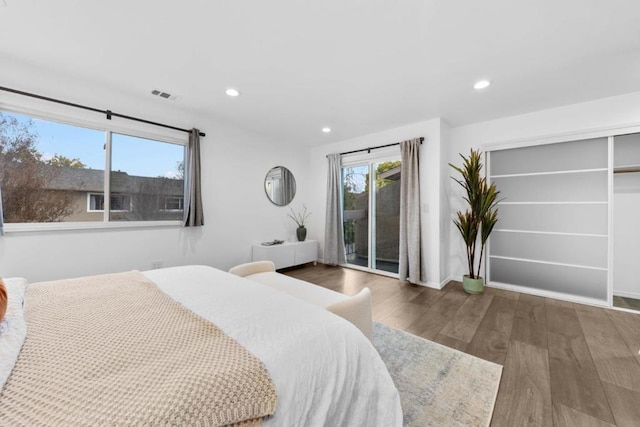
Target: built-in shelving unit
{"type": "Point", "coordinates": [553, 231]}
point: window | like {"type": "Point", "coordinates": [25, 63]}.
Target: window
{"type": "Point", "coordinates": [148, 182]}
{"type": "Point", "coordinates": [54, 172]}
{"type": "Point", "coordinates": [173, 203]}
{"type": "Point", "coordinates": [119, 203]}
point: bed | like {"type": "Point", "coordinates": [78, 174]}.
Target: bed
{"type": "Point", "coordinates": [325, 372]}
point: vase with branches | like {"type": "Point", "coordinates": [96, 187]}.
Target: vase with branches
{"type": "Point", "coordinates": [477, 222]}
{"type": "Point", "coordinates": [300, 218]}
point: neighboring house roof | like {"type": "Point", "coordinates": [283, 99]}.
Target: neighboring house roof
{"type": "Point", "coordinates": [92, 180]}
{"type": "Point", "coordinates": [78, 179]}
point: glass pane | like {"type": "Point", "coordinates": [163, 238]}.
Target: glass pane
{"type": "Point", "coordinates": [592, 154]}
{"type": "Point", "coordinates": [387, 216]}
{"type": "Point", "coordinates": [571, 187]}
{"type": "Point", "coordinates": [577, 250]}
{"type": "Point", "coordinates": [585, 219]}
{"type": "Point", "coordinates": [49, 170]}
{"type": "Point", "coordinates": [356, 214]}
{"type": "Point", "coordinates": [582, 282]}
{"type": "Point", "coordinates": [147, 179]}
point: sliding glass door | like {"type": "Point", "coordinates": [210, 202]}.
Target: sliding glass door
{"type": "Point", "coordinates": [372, 218]}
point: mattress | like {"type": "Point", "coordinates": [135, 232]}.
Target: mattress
{"type": "Point", "coordinates": [325, 371]}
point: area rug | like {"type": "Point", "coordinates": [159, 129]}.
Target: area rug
{"type": "Point", "coordinates": [438, 386]}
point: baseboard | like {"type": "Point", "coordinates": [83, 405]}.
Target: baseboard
{"type": "Point", "coordinates": [436, 285]}
{"type": "Point", "coordinates": [432, 285]}
{"type": "Point", "coordinates": [633, 295]}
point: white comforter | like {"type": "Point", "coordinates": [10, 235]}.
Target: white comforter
{"type": "Point", "coordinates": [325, 371]}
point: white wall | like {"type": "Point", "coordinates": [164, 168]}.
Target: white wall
{"type": "Point", "coordinates": [430, 170]}
{"type": "Point", "coordinates": [237, 213]}
{"type": "Point", "coordinates": [607, 113]}
{"type": "Point", "coordinates": [234, 163]}
{"type": "Point", "coordinates": [626, 236]}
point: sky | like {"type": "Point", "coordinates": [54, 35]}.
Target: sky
{"type": "Point", "coordinates": [136, 156]}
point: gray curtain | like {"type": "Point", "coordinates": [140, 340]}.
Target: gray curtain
{"type": "Point", "coordinates": [334, 233]}
{"type": "Point", "coordinates": [1, 215]}
{"type": "Point", "coordinates": [410, 256]}
{"type": "Point", "coordinates": [193, 215]}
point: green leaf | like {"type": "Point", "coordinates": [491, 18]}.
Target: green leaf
{"type": "Point", "coordinates": [481, 216]}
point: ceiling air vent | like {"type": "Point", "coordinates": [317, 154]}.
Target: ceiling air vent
{"type": "Point", "coordinates": [164, 95]}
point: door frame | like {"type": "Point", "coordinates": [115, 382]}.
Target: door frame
{"type": "Point", "coordinates": [369, 159]}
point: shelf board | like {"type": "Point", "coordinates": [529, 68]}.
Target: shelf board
{"type": "Point", "coordinates": [626, 169]}
{"type": "Point", "coordinates": [549, 173]}
{"type": "Point", "coordinates": [555, 233]}
{"type": "Point", "coordinates": [555, 203]}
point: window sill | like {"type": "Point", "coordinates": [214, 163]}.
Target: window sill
{"type": "Point", "coordinates": [89, 225]}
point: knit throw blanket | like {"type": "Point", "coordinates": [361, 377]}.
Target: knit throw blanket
{"type": "Point", "coordinates": [116, 350]}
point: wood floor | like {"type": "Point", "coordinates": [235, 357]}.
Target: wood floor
{"type": "Point", "coordinates": [564, 364]}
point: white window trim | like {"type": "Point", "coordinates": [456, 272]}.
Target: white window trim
{"type": "Point", "coordinates": [74, 117]}
{"type": "Point", "coordinates": [377, 155]}
{"type": "Point", "coordinates": [30, 227]}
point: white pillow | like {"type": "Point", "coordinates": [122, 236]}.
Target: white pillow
{"type": "Point", "coordinates": [13, 328]}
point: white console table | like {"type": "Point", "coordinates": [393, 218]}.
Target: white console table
{"type": "Point", "coordinates": [286, 254]}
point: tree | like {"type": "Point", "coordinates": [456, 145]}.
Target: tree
{"type": "Point", "coordinates": [350, 190]}
{"type": "Point", "coordinates": [60, 160]}
{"type": "Point", "coordinates": [180, 168]}
{"type": "Point", "coordinates": [382, 182]}
{"type": "Point", "coordinates": [178, 174]}
{"type": "Point", "coordinates": [24, 176]}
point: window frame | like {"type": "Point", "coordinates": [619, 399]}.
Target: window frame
{"type": "Point", "coordinates": [90, 194]}
{"type": "Point", "coordinates": [180, 203]}
{"type": "Point", "coordinates": [89, 120]}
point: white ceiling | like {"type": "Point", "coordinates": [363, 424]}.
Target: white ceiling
{"type": "Point", "coordinates": [356, 66]}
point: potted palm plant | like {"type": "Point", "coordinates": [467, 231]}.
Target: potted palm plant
{"type": "Point", "coordinates": [477, 221]}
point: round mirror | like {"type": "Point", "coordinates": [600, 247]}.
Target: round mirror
{"type": "Point", "coordinates": [280, 186]}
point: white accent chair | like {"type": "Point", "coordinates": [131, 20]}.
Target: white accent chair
{"type": "Point", "coordinates": [356, 308]}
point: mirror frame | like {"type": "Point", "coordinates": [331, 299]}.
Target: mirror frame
{"type": "Point", "coordinates": [294, 186]}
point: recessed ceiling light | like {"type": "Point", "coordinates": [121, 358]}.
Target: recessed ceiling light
{"type": "Point", "coordinates": [232, 92]}
{"type": "Point", "coordinates": [481, 84]}
{"type": "Point", "coordinates": [326, 129]}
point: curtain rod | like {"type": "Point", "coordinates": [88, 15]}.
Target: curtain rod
{"type": "Point", "coordinates": [368, 150]}
{"type": "Point", "coordinates": [108, 113]}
